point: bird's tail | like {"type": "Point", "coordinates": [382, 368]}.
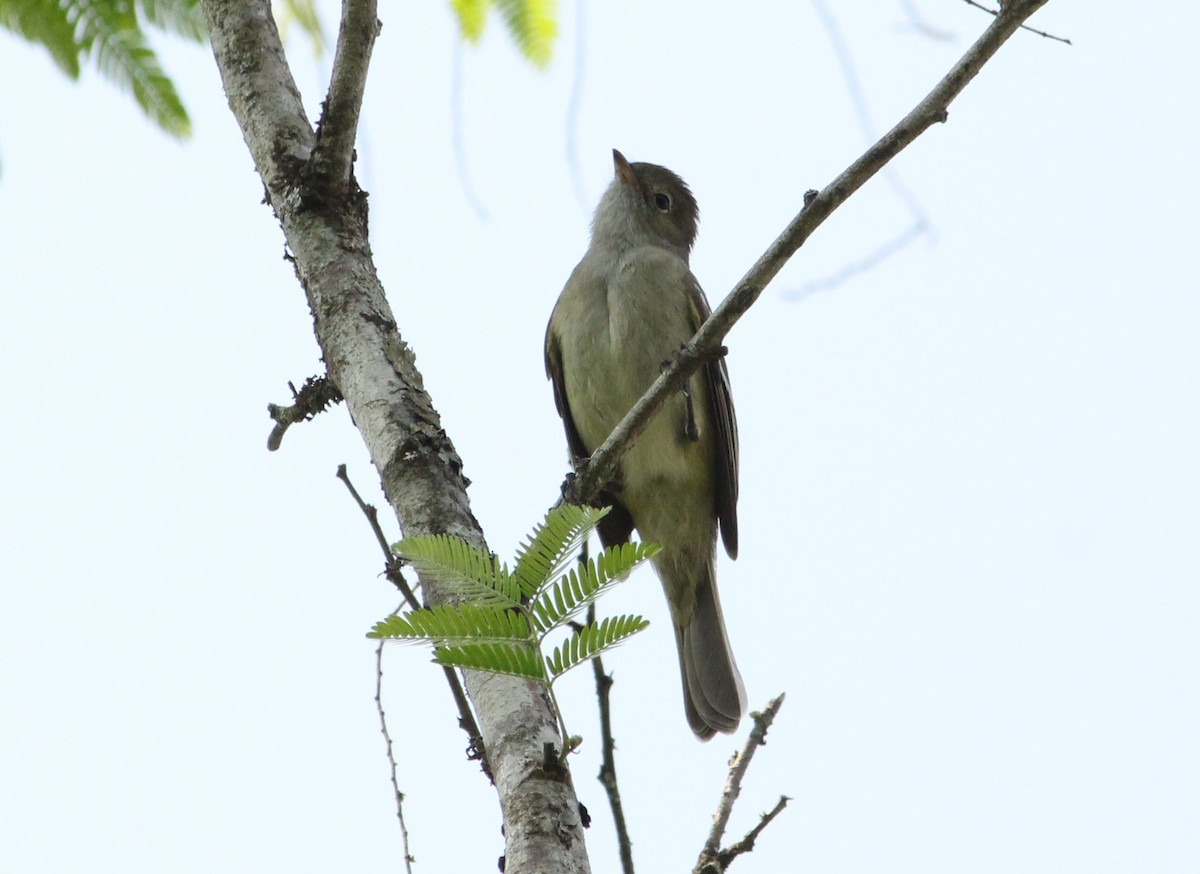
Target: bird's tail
{"type": "Point", "coordinates": [713, 695]}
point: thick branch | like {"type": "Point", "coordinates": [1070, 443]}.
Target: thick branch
{"type": "Point", "coordinates": [376, 373]}
{"type": "Point", "coordinates": [260, 88]}
{"type": "Point", "coordinates": [602, 466]}
{"type": "Point", "coordinates": [333, 156]}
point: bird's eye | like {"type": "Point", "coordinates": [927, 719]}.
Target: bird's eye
{"type": "Point", "coordinates": [662, 201]}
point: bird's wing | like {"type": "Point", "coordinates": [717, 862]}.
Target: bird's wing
{"type": "Point", "coordinates": [554, 371]}
{"type": "Point", "coordinates": [721, 404]}
{"type": "Point", "coordinates": [617, 526]}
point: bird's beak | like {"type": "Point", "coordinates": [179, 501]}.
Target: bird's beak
{"type": "Point", "coordinates": [623, 170]}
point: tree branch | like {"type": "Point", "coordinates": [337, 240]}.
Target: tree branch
{"type": "Point", "coordinates": [466, 719]}
{"type": "Point", "coordinates": [376, 373]}
{"type": "Point", "coordinates": [713, 859]}
{"type": "Point", "coordinates": [746, 844]}
{"type": "Point", "coordinates": [608, 758]}
{"type": "Point", "coordinates": [1023, 27]}
{"type": "Point", "coordinates": [387, 745]}
{"type": "Point", "coordinates": [333, 156]}
{"type": "Point", "coordinates": [602, 466]}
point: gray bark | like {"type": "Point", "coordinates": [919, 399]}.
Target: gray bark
{"type": "Point", "coordinates": [324, 219]}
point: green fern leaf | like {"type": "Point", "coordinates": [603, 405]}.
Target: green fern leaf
{"type": "Point", "coordinates": [584, 584]}
{"type": "Point", "coordinates": [180, 17]}
{"type": "Point", "coordinates": [530, 23]}
{"type": "Point", "coordinates": [49, 24]}
{"type": "Point", "coordinates": [447, 624]}
{"type": "Point", "coordinates": [532, 26]}
{"type": "Point", "coordinates": [472, 16]}
{"type": "Point", "coordinates": [110, 32]}
{"type": "Point", "coordinates": [553, 544]}
{"type": "Point", "coordinates": [466, 571]}
{"type": "Point", "coordinates": [514, 659]}
{"type": "Point", "coordinates": [592, 640]}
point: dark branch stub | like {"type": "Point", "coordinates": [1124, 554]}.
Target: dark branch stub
{"type": "Point", "coordinates": [316, 395]}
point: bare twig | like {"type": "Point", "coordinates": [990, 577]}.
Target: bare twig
{"type": "Point", "coordinates": [608, 762]}
{"type": "Point", "coordinates": [746, 844]}
{"type": "Point", "coordinates": [387, 741]}
{"type": "Point", "coordinates": [601, 467]}
{"type": "Point", "coordinates": [1023, 27]}
{"type": "Point", "coordinates": [395, 577]}
{"type": "Point", "coordinates": [713, 859]}
{"type": "Point", "coordinates": [333, 153]}
{"type": "Point", "coordinates": [466, 719]}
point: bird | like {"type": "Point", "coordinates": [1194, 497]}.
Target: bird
{"type": "Point", "coordinates": [628, 307]}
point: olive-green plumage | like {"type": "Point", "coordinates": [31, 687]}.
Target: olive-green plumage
{"type": "Point", "coordinates": [627, 308]}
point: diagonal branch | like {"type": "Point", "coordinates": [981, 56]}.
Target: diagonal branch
{"type": "Point", "coordinates": [818, 206]}
{"type": "Point", "coordinates": [333, 156]}
{"type": "Point", "coordinates": [466, 719]}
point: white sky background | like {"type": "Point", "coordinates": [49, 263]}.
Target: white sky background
{"type": "Point", "coordinates": [970, 526]}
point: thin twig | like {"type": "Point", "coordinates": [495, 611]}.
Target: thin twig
{"type": "Point", "coordinates": [733, 786]}
{"type": "Point", "coordinates": [1023, 27]}
{"type": "Point", "coordinates": [737, 771]}
{"type": "Point", "coordinates": [466, 719]}
{"type": "Point", "coordinates": [396, 579]}
{"type": "Point", "coordinates": [746, 844]}
{"type": "Point", "coordinates": [387, 741]}
{"type": "Point", "coordinates": [333, 153]}
{"type": "Point", "coordinates": [601, 467]}
{"type": "Point", "coordinates": [608, 762]}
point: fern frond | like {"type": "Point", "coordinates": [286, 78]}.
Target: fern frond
{"type": "Point", "coordinates": [466, 571]}
{"type": "Point", "coordinates": [514, 659]}
{"type": "Point", "coordinates": [472, 16]}
{"type": "Point", "coordinates": [592, 640]}
{"type": "Point", "coordinates": [49, 24]}
{"type": "Point", "coordinates": [447, 624]}
{"type": "Point", "coordinates": [111, 33]}
{"type": "Point", "coordinates": [553, 544]}
{"type": "Point", "coordinates": [585, 583]}
{"type": "Point", "coordinates": [180, 17]}
{"type": "Point", "coordinates": [532, 26]}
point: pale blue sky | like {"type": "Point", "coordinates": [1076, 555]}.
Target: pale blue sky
{"type": "Point", "coordinates": [970, 525]}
